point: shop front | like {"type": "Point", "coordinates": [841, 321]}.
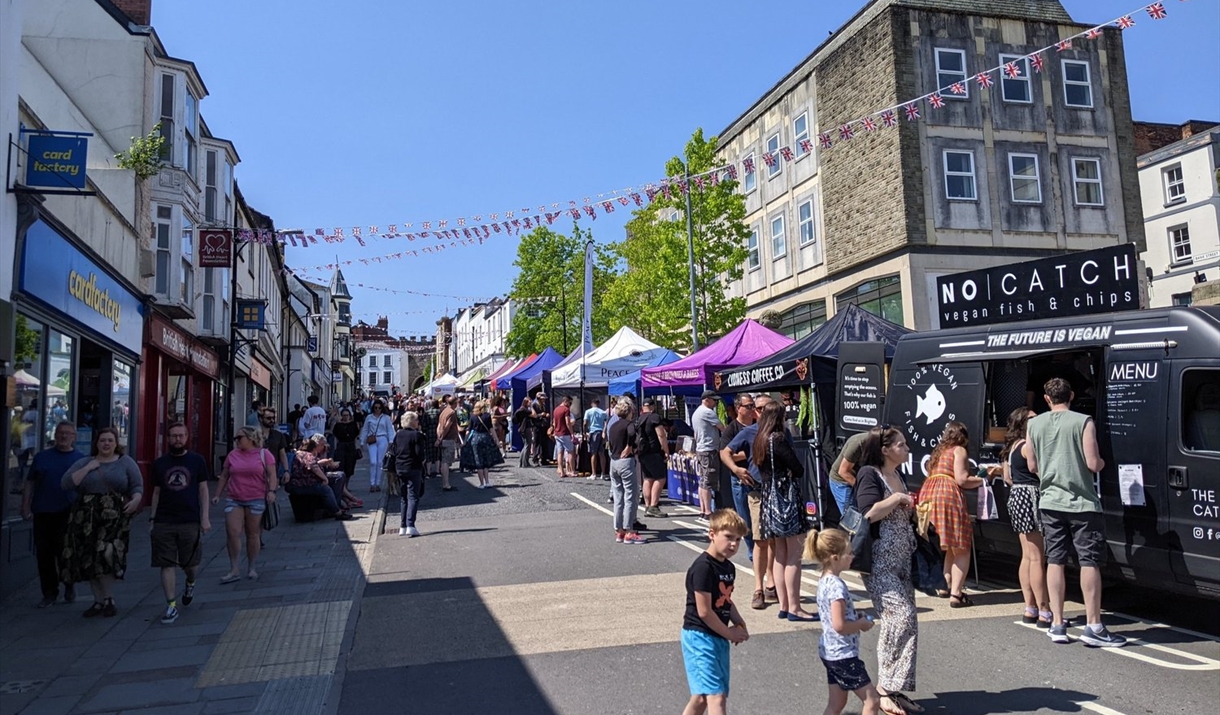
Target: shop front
{"type": "Point", "coordinates": [180, 379]}
{"type": "Point", "coordinates": [76, 325]}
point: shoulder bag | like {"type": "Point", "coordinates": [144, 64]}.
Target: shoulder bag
{"type": "Point", "coordinates": [271, 510]}
{"type": "Point", "coordinates": [854, 523]}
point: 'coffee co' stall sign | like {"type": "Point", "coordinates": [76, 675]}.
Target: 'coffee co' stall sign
{"type": "Point", "coordinates": [1101, 281]}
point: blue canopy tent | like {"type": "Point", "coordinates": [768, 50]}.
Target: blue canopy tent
{"type": "Point", "coordinates": [518, 382]}
{"type": "Point", "coordinates": [630, 383]}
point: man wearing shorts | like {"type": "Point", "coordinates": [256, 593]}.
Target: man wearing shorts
{"type": "Point", "coordinates": [177, 518]}
{"type": "Point", "coordinates": [595, 427]}
{"type": "Point", "coordinates": [565, 447]}
{"type": "Point", "coordinates": [653, 453]}
{"type": "Point", "coordinates": [1061, 449]}
{"type": "Point", "coordinates": [707, 427]}
{"type": "Point", "coordinates": [746, 483]}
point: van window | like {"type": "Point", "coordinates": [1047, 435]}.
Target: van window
{"type": "Point", "coordinates": [1201, 410]}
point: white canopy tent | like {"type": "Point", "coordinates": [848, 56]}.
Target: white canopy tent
{"type": "Point", "coordinates": [624, 353]}
{"type": "Point", "coordinates": [444, 385]}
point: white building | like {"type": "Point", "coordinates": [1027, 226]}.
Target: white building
{"type": "Point", "coordinates": [381, 369]}
{"type": "Point", "coordinates": [478, 336]}
{"type": "Point", "coordinates": [1181, 202]}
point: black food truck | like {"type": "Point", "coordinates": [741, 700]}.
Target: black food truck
{"type": "Point", "coordinates": [1150, 379]}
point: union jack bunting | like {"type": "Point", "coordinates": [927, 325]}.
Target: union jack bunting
{"type": "Point", "coordinates": [747, 165]}
{"type": "Point", "coordinates": [1125, 22]}
{"type": "Point", "coordinates": [936, 101]}
{"type": "Point", "coordinates": [888, 118]}
{"type": "Point", "coordinates": [846, 132]}
{"type": "Point", "coordinates": [550, 218]}
{"type": "Point", "coordinates": [636, 198]}
{"type": "Point", "coordinates": [1063, 45]}
{"type": "Point", "coordinates": [1157, 11]}
{"type": "Point", "coordinates": [958, 88]}
{"type": "Point", "coordinates": [589, 210]}
{"type": "Point", "coordinates": [1037, 62]}
{"type": "Point", "coordinates": [786, 153]}
{"type": "Point", "coordinates": [461, 221]}
{"type": "Point", "coordinates": [623, 199]}
{"type": "Point", "coordinates": [714, 179]}
{"type": "Point", "coordinates": [508, 214]}
{"type": "Point", "coordinates": [730, 171]}
{"type": "Point", "coordinates": [466, 232]}
{"type": "Point", "coordinates": [912, 111]}
{"type": "Point", "coordinates": [608, 207]}
{"type": "Point", "coordinates": [806, 146]}
{"type": "Point", "coordinates": [356, 231]}
{"type": "Point", "coordinates": [698, 182]}
{"type": "Point", "coordinates": [575, 213]}
{"type": "Point", "coordinates": [373, 231]}
{"type": "Point", "coordinates": [824, 140]}
{"type": "Point", "coordinates": [495, 227]}
{"type": "Point", "coordinates": [393, 228]}
{"type": "Point", "coordinates": [494, 217]}
{"type": "Point", "coordinates": [338, 231]}
{"type": "Point", "coordinates": [478, 218]}
{"type": "Point", "coordinates": [985, 79]}
{"type": "Point", "coordinates": [529, 223]}
{"type": "Point", "coordinates": [770, 159]}
{"type": "Point", "coordinates": [869, 124]}
{"type": "Point", "coordinates": [443, 224]}
{"type": "Point", "coordinates": [1093, 34]}
{"type": "Point", "coordinates": [319, 232]}
{"type": "Point", "coordinates": [1012, 70]}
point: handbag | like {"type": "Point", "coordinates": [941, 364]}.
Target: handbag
{"type": "Point", "coordinates": [986, 510]}
{"type": "Point", "coordinates": [359, 453]}
{"type": "Point", "coordinates": [271, 510]}
{"type": "Point", "coordinates": [927, 565]}
{"type": "Point", "coordinates": [371, 439]}
{"type": "Point", "coordinates": [854, 523]}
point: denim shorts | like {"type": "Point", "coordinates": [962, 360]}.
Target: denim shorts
{"type": "Point", "coordinates": [707, 662]}
{"type": "Point", "coordinates": [256, 506]}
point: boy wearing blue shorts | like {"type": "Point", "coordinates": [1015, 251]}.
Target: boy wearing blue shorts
{"type": "Point", "coordinates": [711, 621]}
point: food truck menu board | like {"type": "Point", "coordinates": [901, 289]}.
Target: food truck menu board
{"type": "Point", "coordinates": [1134, 391]}
{"type": "Point", "coordinates": [860, 394]}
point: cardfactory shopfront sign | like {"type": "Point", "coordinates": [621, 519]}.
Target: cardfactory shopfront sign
{"type": "Point", "coordinates": [170, 339]}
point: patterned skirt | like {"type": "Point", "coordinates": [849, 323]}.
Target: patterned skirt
{"type": "Point", "coordinates": [480, 452]}
{"type": "Point", "coordinates": [949, 516]}
{"type": "Point", "coordinates": [95, 543]}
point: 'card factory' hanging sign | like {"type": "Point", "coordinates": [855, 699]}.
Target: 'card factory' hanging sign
{"type": "Point", "coordinates": [1101, 281]}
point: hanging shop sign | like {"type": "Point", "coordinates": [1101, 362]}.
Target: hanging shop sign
{"type": "Point", "coordinates": [56, 272]}
{"type": "Point", "coordinates": [215, 248]}
{"type": "Point", "coordinates": [56, 161]}
{"type": "Point", "coordinates": [251, 314]}
{"type": "Point", "coordinates": [170, 339]}
{"type": "Point", "coordinates": [1101, 281]}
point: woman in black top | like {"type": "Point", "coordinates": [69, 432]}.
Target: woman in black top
{"type": "Point", "coordinates": [1026, 519]}
{"type": "Point", "coordinates": [409, 455]}
{"type": "Point", "coordinates": [480, 452]}
{"type": "Point", "coordinates": [523, 420]}
{"type": "Point", "coordinates": [346, 430]}
{"type": "Point", "coordinates": [782, 511]}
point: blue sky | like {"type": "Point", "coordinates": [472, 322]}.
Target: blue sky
{"type": "Point", "coordinates": [372, 112]}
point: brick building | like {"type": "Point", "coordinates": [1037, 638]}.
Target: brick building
{"type": "Point", "coordinates": [1034, 166]}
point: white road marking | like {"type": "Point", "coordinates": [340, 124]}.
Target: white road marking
{"type": "Point", "coordinates": [593, 504]}
{"type": "Point", "coordinates": [1200, 662]}
{"type": "Point", "coordinates": [1102, 709]}
{"type": "Point", "coordinates": [1155, 624]}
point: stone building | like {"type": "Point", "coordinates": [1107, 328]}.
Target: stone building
{"type": "Point", "coordinates": [1034, 166]}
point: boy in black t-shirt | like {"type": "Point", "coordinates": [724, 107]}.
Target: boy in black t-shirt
{"type": "Point", "coordinates": [711, 620]}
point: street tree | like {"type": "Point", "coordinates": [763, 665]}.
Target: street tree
{"type": "Point", "coordinates": [653, 294]}
{"type": "Point", "coordinates": [549, 291]}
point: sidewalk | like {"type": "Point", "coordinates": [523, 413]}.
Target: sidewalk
{"type": "Point", "coordinates": [269, 645]}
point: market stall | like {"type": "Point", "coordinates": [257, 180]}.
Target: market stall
{"type": "Point", "coordinates": [518, 379]}
{"type": "Point", "coordinates": [744, 344]}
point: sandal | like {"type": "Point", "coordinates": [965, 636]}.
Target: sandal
{"type": "Point", "coordinates": [905, 702]}
{"type": "Point", "coordinates": [942, 593]}
{"type": "Point", "coordinates": [960, 600]}
{"type": "Point", "coordinates": [894, 707]}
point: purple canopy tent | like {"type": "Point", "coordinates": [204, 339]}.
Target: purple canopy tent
{"type": "Point", "coordinates": [748, 342]}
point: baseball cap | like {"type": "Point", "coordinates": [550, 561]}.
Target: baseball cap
{"type": "Point", "coordinates": [710, 395]}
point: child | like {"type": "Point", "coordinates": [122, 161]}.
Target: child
{"type": "Point", "coordinates": [712, 621]}
{"type": "Point", "coordinates": [839, 646]}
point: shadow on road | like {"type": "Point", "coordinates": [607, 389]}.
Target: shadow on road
{"type": "Point", "coordinates": [1018, 700]}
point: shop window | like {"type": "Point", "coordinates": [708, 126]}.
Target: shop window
{"type": "Point", "coordinates": [801, 320]}
{"type": "Point", "coordinates": [120, 394]}
{"type": "Point", "coordinates": [60, 396]}
{"type": "Point", "coordinates": [26, 414]}
{"type": "Point", "coordinates": [882, 297]}
{"type": "Point", "coordinates": [1201, 410]}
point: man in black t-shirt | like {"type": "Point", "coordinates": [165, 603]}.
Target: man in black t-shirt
{"type": "Point", "coordinates": [275, 442]}
{"type": "Point", "coordinates": [653, 451]}
{"type": "Point", "coordinates": [178, 517]}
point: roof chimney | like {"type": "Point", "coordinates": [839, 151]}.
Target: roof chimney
{"type": "Point", "coordinates": [138, 11]}
{"type": "Point", "coordinates": [383, 322]}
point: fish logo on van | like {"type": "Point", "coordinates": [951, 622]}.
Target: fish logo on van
{"type": "Point", "coordinates": [931, 406]}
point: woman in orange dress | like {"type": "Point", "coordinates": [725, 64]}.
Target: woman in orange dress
{"type": "Point", "coordinates": [948, 474]}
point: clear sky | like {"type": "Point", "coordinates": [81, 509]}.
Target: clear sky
{"type": "Point", "coordinates": [378, 112]}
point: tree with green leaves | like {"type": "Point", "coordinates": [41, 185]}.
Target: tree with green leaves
{"type": "Point", "coordinates": [549, 291]}
{"type": "Point", "coordinates": [653, 295]}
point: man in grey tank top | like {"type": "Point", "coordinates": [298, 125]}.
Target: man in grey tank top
{"type": "Point", "coordinates": [1062, 450]}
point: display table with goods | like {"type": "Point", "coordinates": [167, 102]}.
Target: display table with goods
{"type": "Point", "coordinates": [682, 484]}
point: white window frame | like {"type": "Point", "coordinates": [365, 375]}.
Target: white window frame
{"type": "Point", "coordinates": [1022, 62]}
{"type": "Point", "coordinates": [385, 360]}
{"type": "Point", "coordinates": [166, 116]}
{"type": "Point", "coordinates": [187, 247]}
{"type": "Point", "coordinates": [1077, 180]}
{"type": "Point", "coordinates": [190, 131]}
{"type": "Point", "coordinates": [974, 183]}
{"type": "Point", "coordinates": [372, 361]}
{"type": "Point", "coordinates": [387, 377]}
{"type": "Point", "coordinates": [372, 378]}
{"type": "Point", "coordinates": [1180, 236]}
{"type": "Point", "coordinates": [1013, 176]}
{"type": "Point", "coordinates": [1087, 83]}
{"type": "Point", "coordinates": [749, 182]}
{"type": "Point", "coordinates": [753, 251]}
{"type": "Point", "coordinates": [163, 240]}
{"type": "Point", "coordinates": [960, 74]}
{"type": "Point", "coordinates": [805, 228]}
{"type": "Point", "coordinates": [207, 322]}
{"type": "Point", "coordinates": [779, 240]}
{"type": "Point", "coordinates": [801, 135]}
{"type": "Point", "coordinates": [211, 169]}
{"type": "Point", "coordinates": [1171, 185]}
{"type": "Point", "coordinates": [773, 169]}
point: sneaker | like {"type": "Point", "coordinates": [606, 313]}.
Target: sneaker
{"type": "Point", "coordinates": [1101, 638]}
{"type": "Point", "coordinates": [188, 594]}
{"type": "Point", "coordinates": [634, 538]}
{"type": "Point", "coordinates": [1058, 633]}
{"type": "Point", "coordinates": [605, 477]}
{"type": "Point", "coordinates": [171, 615]}
{"type": "Point", "coordinates": [412, 531]}
{"type": "Point", "coordinates": [591, 477]}
{"type": "Point", "coordinates": [46, 602]}
{"type": "Point", "coordinates": [402, 531]}
{"type": "Point", "coordinates": [610, 500]}
{"type": "Point", "coordinates": [618, 538]}
{"type": "Point", "coordinates": [702, 518]}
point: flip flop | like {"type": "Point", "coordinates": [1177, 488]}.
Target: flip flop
{"type": "Point", "coordinates": [895, 708]}
{"type": "Point", "coordinates": [905, 702]}
{"type": "Point", "coordinates": [231, 578]}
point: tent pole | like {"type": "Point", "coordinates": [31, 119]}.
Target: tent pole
{"type": "Point", "coordinates": [817, 450]}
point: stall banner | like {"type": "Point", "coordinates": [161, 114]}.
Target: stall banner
{"type": "Point", "coordinates": [56, 272]}
{"type": "Point", "coordinates": [1105, 280]}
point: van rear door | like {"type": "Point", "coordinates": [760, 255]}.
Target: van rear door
{"type": "Point", "coordinates": [1193, 471]}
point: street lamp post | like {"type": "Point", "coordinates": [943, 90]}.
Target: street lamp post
{"type": "Point", "coordinates": [690, 255]}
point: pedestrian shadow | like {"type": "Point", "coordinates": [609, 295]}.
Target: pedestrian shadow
{"type": "Point", "coordinates": [1018, 700]}
{"type": "Point", "coordinates": [455, 660]}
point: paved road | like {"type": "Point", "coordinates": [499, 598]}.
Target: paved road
{"type": "Point", "coordinates": [517, 600]}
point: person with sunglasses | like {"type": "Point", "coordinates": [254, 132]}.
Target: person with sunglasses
{"type": "Point", "coordinates": [377, 432]}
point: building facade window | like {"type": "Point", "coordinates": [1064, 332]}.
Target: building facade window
{"type": "Point", "coordinates": [1077, 88]}
{"type": "Point", "coordinates": [167, 118]}
{"type": "Point", "coordinates": [1016, 89]}
{"type": "Point", "coordinates": [804, 223]}
{"type": "Point", "coordinates": [800, 133]}
{"type": "Point", "coordinates": [372, 378]}
{"type": "Point", "coordinates": [951, 69]}
{"type": "Point", "coordinates": [753, 260]}
{"type": "Point", "coordinates": [803, 319]}
{"type": "Point", "coordinates": [882, 297]}
{"type": "Point", "coordinates": [188, 261]}
{"type": "Point", "coordinates": [1086, 179]}
{"type": "Point", "coordinates": [385, 360]}
{"type": "Point", "coordinates": [372, 361]}
{"type": "Point", "coordinates": [387, 378]}
{"type": "Point", "coordinates": [1175, 186]}
{"type": "Point", "coordinates": [1179, 245]}
{"type": "Point", "coordinates": [959, 176]}
{"type": "Point", "coordinates": [1023, 176]}
{"type": "Point", "coordinates": [163, 226]}
{"type": "Point", "coordinates": [779, 243]}
{"type": "Point", "coordinates": [773, 150]}
{"type": "Point", "coordinates": [210, 193]}
{"type": "Point", "coordinates": [750, 181]}
{"type": "Point", "coordinates": [208, 321]}
{"type": "Point", "coordinates": [190, 133]}
{"type": "Point", "coordinates": [1182, 300]}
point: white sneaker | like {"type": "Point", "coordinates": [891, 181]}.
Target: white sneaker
{"type": "Point", "coordinates": [171, 615]}
{"type": "Point", "coordinates": [402, 531]}
{"type": "Point", "coordinates": [412, 531]}
{"type": "Point", "coordinates": [591, 477]}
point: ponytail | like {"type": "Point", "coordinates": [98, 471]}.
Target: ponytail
{"type": "Point", "coordinates": [820, 546]}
